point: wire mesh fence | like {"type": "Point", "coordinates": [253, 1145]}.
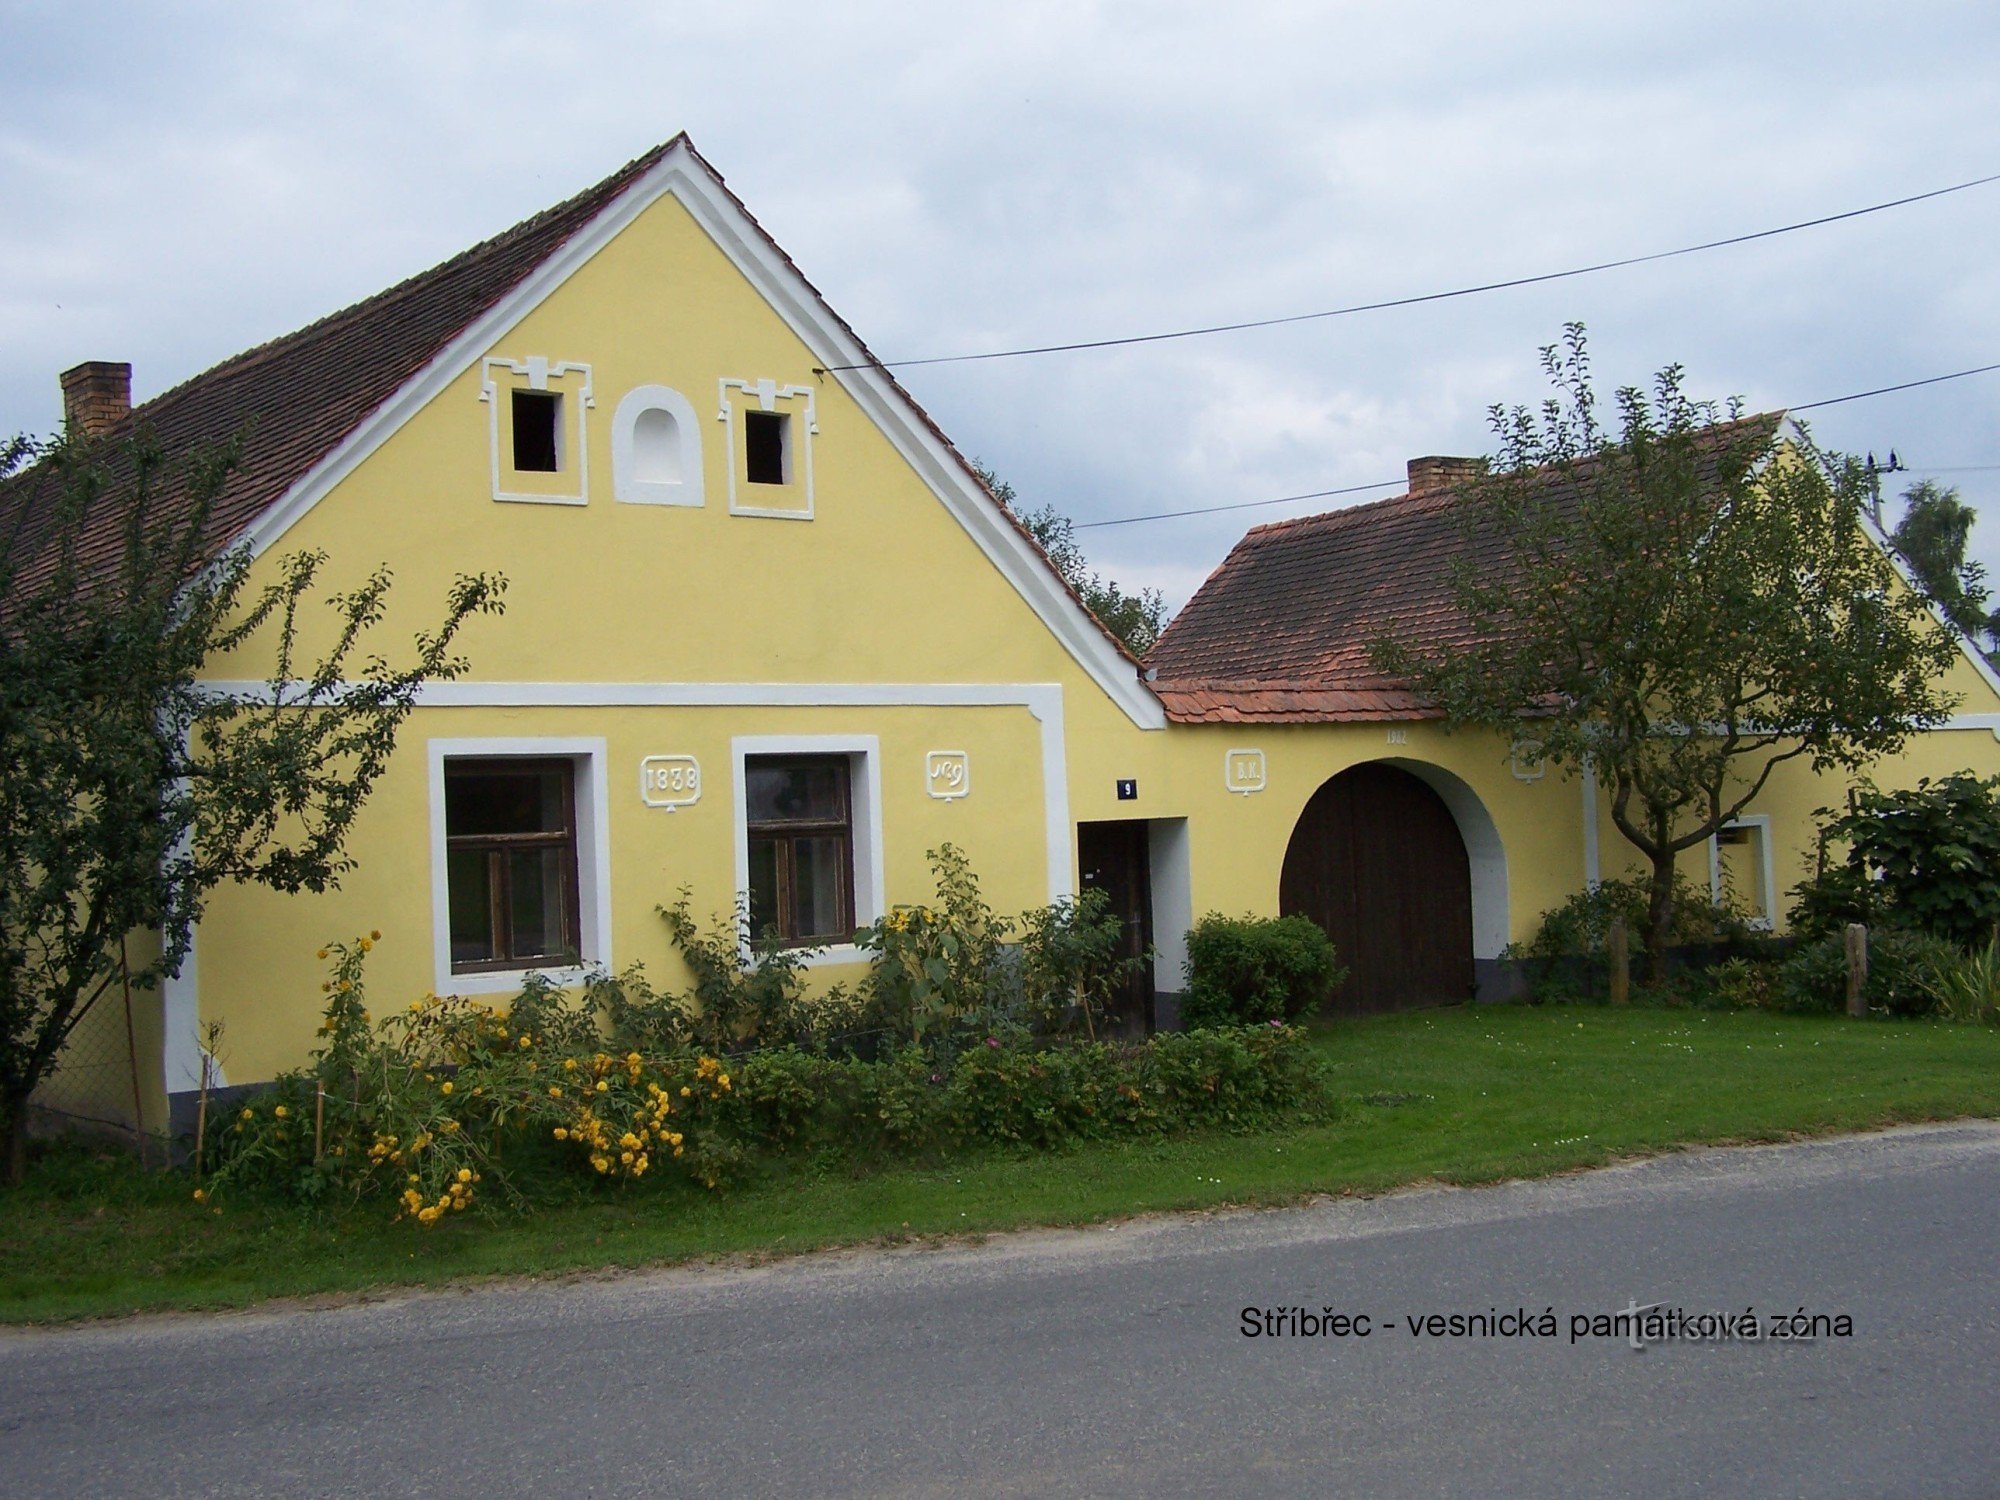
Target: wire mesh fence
{"type": "Point", "coordinates": [95, 1087]}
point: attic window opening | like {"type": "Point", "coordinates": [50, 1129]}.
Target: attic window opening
{"type": "Point", "coordinates": [537, 426]}
{"type": "Point", "coordinates": [766, 446]}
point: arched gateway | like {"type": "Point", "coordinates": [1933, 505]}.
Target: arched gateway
{"type": "Point", "coordinates": [1378, 861]}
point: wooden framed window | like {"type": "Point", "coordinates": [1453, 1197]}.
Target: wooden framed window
{"type": "Point", "coordinates": [800, 829]}
{"type": "Point", "coordinates": [510, 863]}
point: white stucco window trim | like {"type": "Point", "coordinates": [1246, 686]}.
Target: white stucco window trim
{"type": "Point", "coordinates": [626, 486]}
{"type": "Point", "coordinates": [1767, 877]}
{"type": "Point", "coordinates": [593, 857]}
{"type": "Point", "coordinates": [864, 782]}
{"type": "Point", "coordinates": [572, 434]}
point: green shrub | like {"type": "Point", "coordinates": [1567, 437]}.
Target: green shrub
{"type": "Point", "coordinates": [1902, 974]}
{"type": "Point", "coordinates": [454, 1101]}
{"type": "Point", "coordinates": [1968, 989]}
{"type": "Point", "coordinates": [1247, 970]}
{"type": "Point", "coordinates": [1567, 957]}
{"type": "Point", "coordinates": [1926, 859]}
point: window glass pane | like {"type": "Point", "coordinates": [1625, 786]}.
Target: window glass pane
{"type": "Point", "coordinates": [469, 882]}
{"type": "Point", "coordinates": [540, 902]}
{"type": "Point", "coordinates": [489, 801]}
{"type": "Point", "coordinates": [764, 439]}
{"type": "Point", "coordinates": [818, 865]}
{"type": "Point", "coordinates": [796, 791]}
{"type": "Point", "coordinates": [763, 885]}
{"type": "Point", "coordinates": [537, 417]}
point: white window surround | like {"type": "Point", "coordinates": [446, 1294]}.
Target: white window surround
{"type": "Point", "coordinates": [864, 757]}
{"type": "Point", "coordinates": [1767, 879]}
{"type": "Point", "coordinates": [593, 859]}
{"type": "Point", "coordinates": [766, 394]}
{"type": "Point", "coordinates": [626, 483]}
{"type": "Point", "coordinates": [534, 373]}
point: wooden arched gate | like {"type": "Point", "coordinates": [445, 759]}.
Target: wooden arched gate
{"type": "Point", "coordinates": [1378, 862]}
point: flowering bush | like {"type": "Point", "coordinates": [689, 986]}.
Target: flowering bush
{"type": "Point", "coordinates": [451, 1103]}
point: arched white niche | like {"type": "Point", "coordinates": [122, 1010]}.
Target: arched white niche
{"type": "Point", "coordinates": [656, 448]}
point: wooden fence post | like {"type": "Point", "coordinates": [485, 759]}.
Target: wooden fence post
{"type": "Point", "coordinates": [1621, 962]}
{"type": "Point", "coordinates": [1857, 969]}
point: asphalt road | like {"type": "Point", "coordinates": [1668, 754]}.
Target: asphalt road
{"type": "Point", "coordinates": [1115, 1361]}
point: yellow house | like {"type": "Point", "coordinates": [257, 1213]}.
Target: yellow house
{"type": "Point", "coordinates": [768, 636]}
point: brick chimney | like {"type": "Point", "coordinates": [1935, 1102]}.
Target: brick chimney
{"type": "Point", "coordinates": [97, 396]}
{"type": "Point", "coordinates": [1439, 473]}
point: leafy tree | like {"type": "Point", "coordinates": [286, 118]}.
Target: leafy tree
{"type": "Point", "coordinates": [128, 790]}
{"type": "Point", "coordinates": [1136, 619]}
{"type": "Point", "coordinates": [1684, 603]}
{"type": "Point", "coordinates": [1932, 537]}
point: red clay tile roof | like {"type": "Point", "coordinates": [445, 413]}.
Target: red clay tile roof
{"type": "Point", "coordinates": [297, 397]}
{"type": "Point", "coordinates": [1284, 630]}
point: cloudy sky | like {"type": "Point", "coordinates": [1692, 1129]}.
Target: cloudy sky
{"type": "Point", "coordinates": [182, 181]}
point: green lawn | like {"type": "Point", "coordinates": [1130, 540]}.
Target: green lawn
{"type": "Point", "coordinates": [1465, 1095]}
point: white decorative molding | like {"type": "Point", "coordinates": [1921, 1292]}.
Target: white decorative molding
{"type": "Point", "coordinates": [538, 370]}
{"type": "Point", "coordinates": [864, 755]}
{"type": "Point", "coordinates": [627, 485]}
{"type": "Point", "coordinates": [593, 859]}
{"type": "Point", "coordinates": [1767, 879]}
{"type": "Point", "coordinates": [947, 774]}
{"type": "Point", "coordinates": [1526, 773]}
{"type": "Point", "coordinates": [768, 393]}
{"type": "Point", "coordinates": [682, 173]}
{"type": "Point", "coordinates": [1244, 771]}
{"type": "Point", "coordinates": [670, 781]}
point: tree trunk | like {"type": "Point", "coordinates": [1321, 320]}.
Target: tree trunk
{"type": "Point", "coordinates": [1659, 920]}
{"type": "Point", "coordinates": [13, 1142]}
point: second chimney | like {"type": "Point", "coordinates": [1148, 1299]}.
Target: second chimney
{"type": "Point", "coordinates": [1440, 473]}
{"type": "Point", "coordinates": [97, 396]}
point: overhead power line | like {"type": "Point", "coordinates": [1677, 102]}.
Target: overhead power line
{"type": "Point", "coordinates": [1383, 484]}
{"type": "Point", "coordinates": [1464, 291]}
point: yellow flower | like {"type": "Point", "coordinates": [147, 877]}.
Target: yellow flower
{"type": "Point", "coordinates": [343, 986]}
{"type": "Point", "coordinates": [322, 953]}
{"type": "Point", "coordinates": [465, 1174]}
{"type": "Point", "coordinates": [603, 1087]}
{"type": "Point", "coordinates": [376, 934]}
{"type": "Point", "coordinates": [281, 1111]}
{"type": "Point", "coordinates": [245, 1115]}
{"type": "Point", "coordinates": [685, 1091]}
{"type": "Point", "coordinates": [723, 1080]}
{"type": "Point", "coordinates": [561, 1134]}
{"type": "Point", "coordinates": [445, 1087]}
{"type": "Point", "coordinates": [366, 945]}
{"type": "Point", "coordinates": [554, 1092]}
{"type": "Point", "coordinates": [201, 1195]}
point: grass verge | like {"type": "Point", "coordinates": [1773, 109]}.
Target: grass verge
{"type": "Point", "coordinates": [1467, 1095]}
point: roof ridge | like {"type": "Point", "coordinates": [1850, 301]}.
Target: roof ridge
{"type": "Point", "coordinates": [1445, 493]}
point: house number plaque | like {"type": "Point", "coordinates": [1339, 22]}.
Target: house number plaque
{"type": "Point", "coordinates": [669, 781]}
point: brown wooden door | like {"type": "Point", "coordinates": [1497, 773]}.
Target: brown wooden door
{"type": "Point", "coordinates": [1114, 857]}
{"type": "Point", "coordinates": [1377, 861]}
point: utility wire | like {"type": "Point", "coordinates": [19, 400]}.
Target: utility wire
{"type": "Point", "coordinates": [1464, 291]}
{"type": "Point", "coordinates": [1383, 484]}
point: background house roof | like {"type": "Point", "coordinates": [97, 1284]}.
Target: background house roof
{"type": "Point", "coordinates": [1283, 631]}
